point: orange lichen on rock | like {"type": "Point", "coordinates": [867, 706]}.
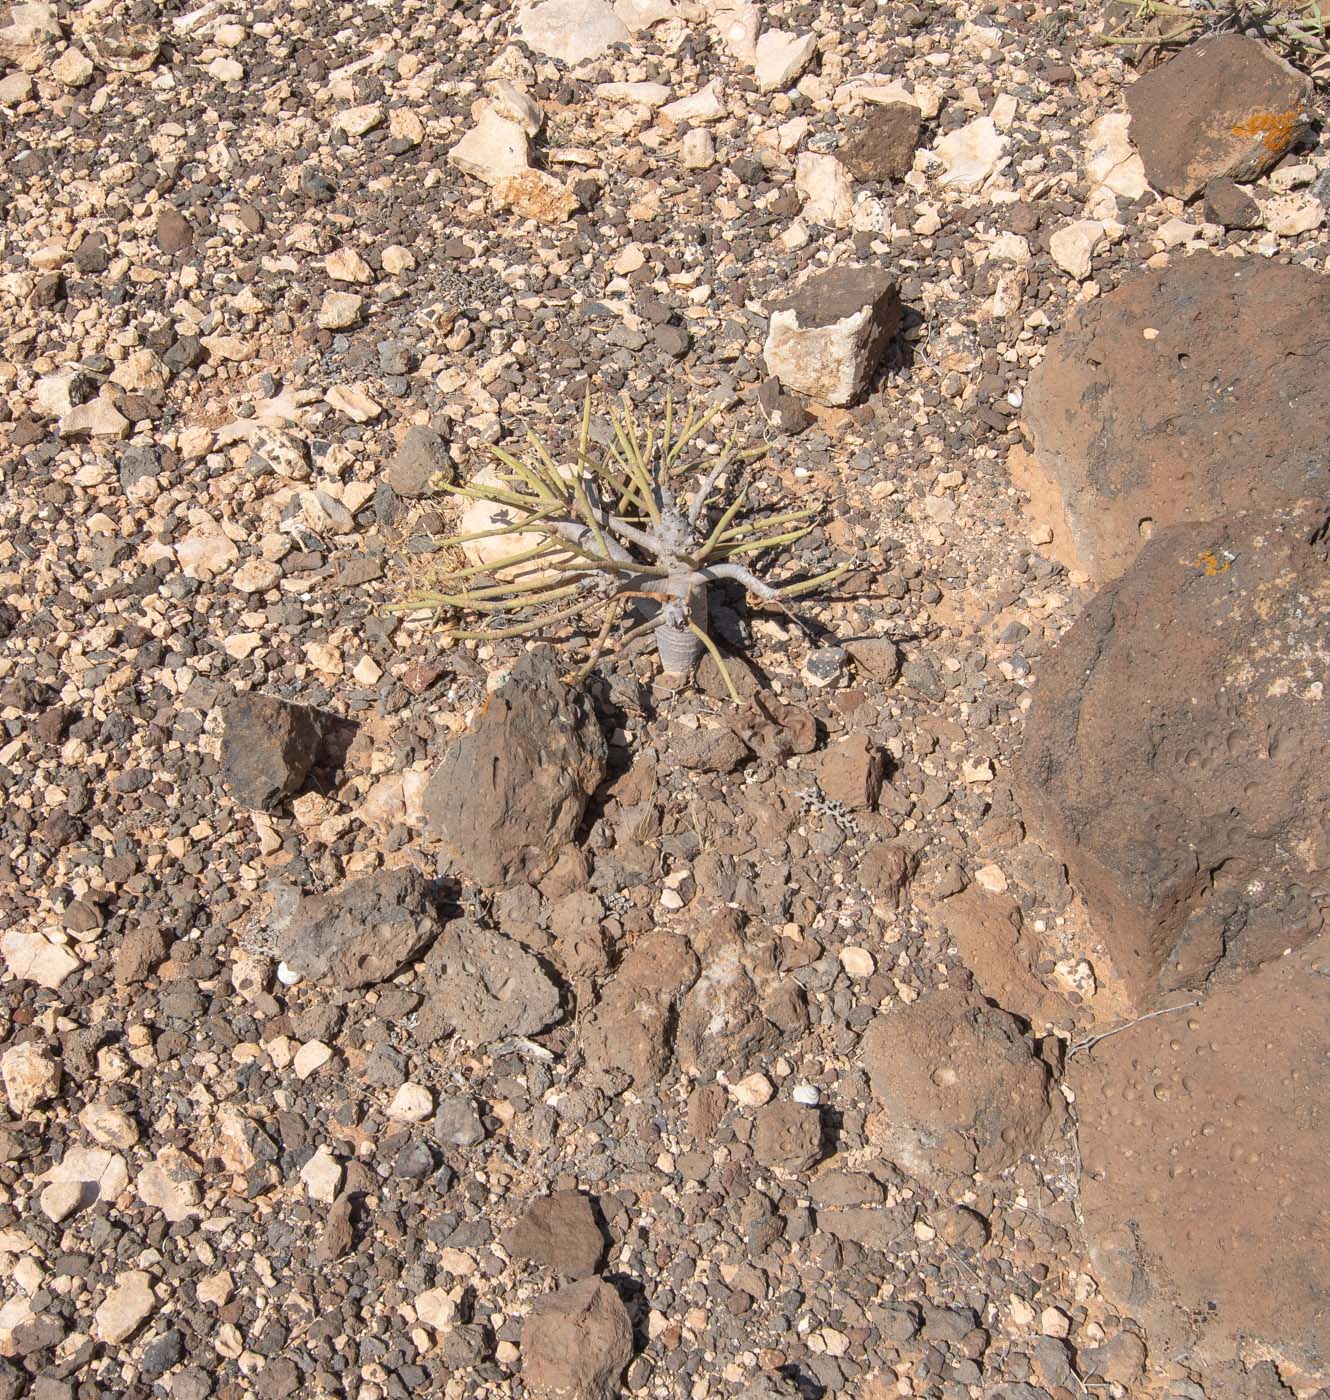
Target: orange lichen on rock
{"type": "Point", "coordinates": [1276, 129]}
{"type": "Point", "coordinates": [1212, 564]}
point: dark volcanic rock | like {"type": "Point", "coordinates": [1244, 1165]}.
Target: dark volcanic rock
{"type": "Point", "coordinates": [362, 933]}
{"type": "Point", "coordinates": [1186, 394]}
{"type": "Point", "coordinates": [1174, 756]}
{"type": "Point", "coordinates": [1227, 203]}
{"type": "Point", "coordinates": [509, 794]}
{"type": "Point", "coordinates": [882, 145]}
{"type": "Point", "coordinates": [1225, 106]}
{"type": "Point", "coordinates": [268, 748]}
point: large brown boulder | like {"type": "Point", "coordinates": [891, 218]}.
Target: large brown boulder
{"type": "Point", "coordinates": [1204, 1190]}
{"type": "Point", "coordinates": [960, 1087]}
{"type": "Point", "coordinates": [1187, 394]}
{"type": "Point", "coordinates": [511, 793]}
{"type": "Point", "coordinates": [1224, 107]}
{"type": "Point", "coordinates": [1175, 754]}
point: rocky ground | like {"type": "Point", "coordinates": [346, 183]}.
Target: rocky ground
{"type": "Point", "coordinates": [382, 1017]}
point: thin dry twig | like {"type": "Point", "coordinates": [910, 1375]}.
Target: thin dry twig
{"type": "Point", "coordinates": [1091, 1041]}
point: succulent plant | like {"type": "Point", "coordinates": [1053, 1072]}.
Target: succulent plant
{"type": "Point", "coordinates": [649, 520]}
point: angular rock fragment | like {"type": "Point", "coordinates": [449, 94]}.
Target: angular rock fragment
{"type": "Point", "coordinates": [362, 933]}
{"type": "Point", "coordinates": [1173, 756]}
{"type": "Point", "coordinates": [826, 340]}
{"type": "Point", "coordinates": [561, 1232]}
{"type": "Point", "coordinates": [268, 747]}
{"type": "Point", "coordinates": [30, 1076]}
{"type": "Point", "coordinates": [780, 57]}
{"type": "Point", "coordinates": [576, 1342]}
{"type": "Point", "coordinates": [492, 149]}
{"type": "Point", "coordinates": [631, 1028]}
{"type": "Point", "coordinates": [511, 792]}
{"type": "Point", "coordinates": [1224, 106]}
{"type": "Point", "coordinates": [739, 1012]}
{"type": "Point", "coordinates": [422, 455]}
{"type": "Point", "coordinates": [482, 986]}
{"type": "Point", "coordinates": [571, 30]}
{"type": "Point", "coordinates": [882, 144]}
{"type": "Point", "coordinates": [1129, 431]}
{"type": "Point", "coordinates": [959, 1085]}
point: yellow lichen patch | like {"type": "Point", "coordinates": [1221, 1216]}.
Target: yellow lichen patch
{"type": "Point", "coordinates": [1275, 129]}
{"type": "Point", "coordinates": [1211, 564]}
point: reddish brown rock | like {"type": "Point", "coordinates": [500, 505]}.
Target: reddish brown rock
{"type": "Point", "coordinates": [1225, 106]}
{"type": "Point", "coordinates": [788, 1136]}
{"type": "Point", "coordinates": [631, 1027]}
{"type": "Point", "coordinates": [883, 143]}
{"type": "Point", "coordinates": [576, 1343]}
{"type": "Point", "coordinates": [559, 1231]}
{"type": "Point", "coordinates": [1175, 754]}
{"type": "Point", "coordinates": [959, 1086]}
{"type": "Point", "coordinates": [1204, 1188]}
{"type": "Point", "coordinates": [1186, 394]}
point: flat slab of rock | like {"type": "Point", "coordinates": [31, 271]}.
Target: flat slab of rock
{"type": "Point", "coordinates": [509, 794]}
{"type": "Point", "coordinates": [826, 340]}
{"type": "Point", "coordinates": [1226, 106]}
{"type": "Point", "coordinates": [1174, 756]}
{"type": "Point", "coordinates": [631, 1028]}
{"type": "Point", "coordinates": [571, 30]}
{"type": "Point", "coordinates": [576, 1342]}
{"type": "Point", "coordinates": [268, 747]}
{"type": "Point", "coordinates": [362, 933]}
{"type": "Point", "coordinates": [1186, 394]}
{"type": "Point", "coordinates": [1204, 1187]}
{"type": "Point", "coordinates": [559, 1231]}
{"type": "Point", "coordinates": [959, 1084]}
{"type": "Point", "coordinates": [482, 986]}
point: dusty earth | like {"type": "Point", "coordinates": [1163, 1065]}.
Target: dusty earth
{"type": "Point", "coordinates": [380, 1016]}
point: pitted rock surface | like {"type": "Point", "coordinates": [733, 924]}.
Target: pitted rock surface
{"type": "Point", "coordinates": [1143, 413]}
{"type": "Point", "coordinates": [1174, 755]}
{"type": "Point", "coordinates": [959, 1085]}
{"type": "Point", "coordinates": [1225, 106]}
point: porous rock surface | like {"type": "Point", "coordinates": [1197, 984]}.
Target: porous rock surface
{"type": "Point", "coordinates": [1224, 106]}
{"type": "Point", "coordinates": [1174, 755]}
{"type": "Point", "coordinates": [508, 795]}
{"type": "Point", "coordinates": [959, 1086]}
{"type": "Point", "coordinates": [1143, 414]}
{"type": "Point", "coordinates": [1203, 1139]}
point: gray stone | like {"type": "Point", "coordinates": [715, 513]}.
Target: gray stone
{"type": "Point", "coordinates": [362, 933]}
{"type": "Point", "coordinates": [422, 455]}
{"type": "Point", "coordinates": [482, 986]}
